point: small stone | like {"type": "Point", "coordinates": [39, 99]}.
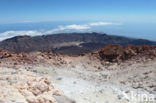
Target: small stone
{"type": "Point", "coordinates": [59, 78]}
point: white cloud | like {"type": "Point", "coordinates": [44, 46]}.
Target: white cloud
{"type": "Point", "coordinates": [10, 34]}
{"type": "Point", "coordinates": [73, 27]}
{"type": "Point", "coordinates": [77, 27]}
{"type": "Point", "coordinates": [100, 24]}
{"type": "Point", "coordinates": [68, 28]}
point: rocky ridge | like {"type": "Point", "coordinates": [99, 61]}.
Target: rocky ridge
{"type": "Point", "coordinates": [117, 53]}
{"type": "Point", "coordinates": [110, 53]}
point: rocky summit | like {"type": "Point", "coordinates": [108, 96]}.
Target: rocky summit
{"type": "Point", "coordinates": [95, 77]}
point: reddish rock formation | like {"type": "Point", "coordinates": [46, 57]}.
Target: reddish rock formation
{"type": "Point", "coordinates": [5, 54]}
{"type": "Point", "coordinates": [110, 53]}
{"type": "Point", "coordinates": [115, 53]}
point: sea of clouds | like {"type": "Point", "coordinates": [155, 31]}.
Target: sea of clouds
{"type": "Point", "coordinates": [58, 29]}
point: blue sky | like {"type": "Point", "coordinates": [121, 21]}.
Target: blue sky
{"type": "Point", "coordinates": [16, 11]}
{"type": "Point", "coordinates": [132, 18]}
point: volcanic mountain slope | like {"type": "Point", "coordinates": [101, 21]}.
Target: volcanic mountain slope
{"type": "Point", "coordinates": [73, 43]}
{"type": "Point", "coordinates": [97, 77]}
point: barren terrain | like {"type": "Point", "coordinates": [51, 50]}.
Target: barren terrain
{"type": "Point", "coordinates": [83, 79]}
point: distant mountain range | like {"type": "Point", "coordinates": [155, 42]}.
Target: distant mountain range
{"type": "Point", "coordinates": [68, 43]}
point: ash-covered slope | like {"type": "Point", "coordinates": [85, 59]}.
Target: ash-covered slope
{"type": "Point", "coordinates": [97, 77]}
{"type": "Point", "coordinates": [73, 43]}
